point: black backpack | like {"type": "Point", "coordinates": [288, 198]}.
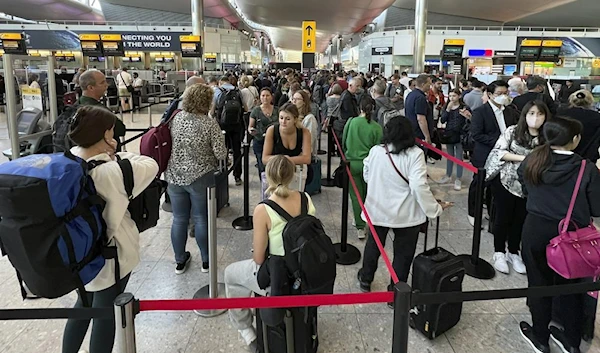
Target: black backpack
{"type": "Point", "coordinates": [144, 209]}
{"type": "Point", "coordinates": [229, 107]}
{"type": "Point", "coordinates": [61, 128]}
{"type": "Point", "coordinates": [317, 95]}
{"type": "Point", "coordinates": [309, 253]}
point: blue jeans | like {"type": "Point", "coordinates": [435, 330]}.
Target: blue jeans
{"type": "Point", "coordinates": [455, 150]}
{"type": "Point", "coordinates": [186, 201]}
{"type": "Point", "coordinates": [257, 147]}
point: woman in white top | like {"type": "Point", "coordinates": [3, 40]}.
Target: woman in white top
{"type": "Point", "coordinates": [124, 79]}
{"type": "Point", "coordinates": [33, 81]}
{"type": "Point", "coordinates": [301, 100]}
{"type": "Point", "coordinates": [240, 277]}
{"type": "Point", "coordinates": [393, 202]}
{"type": "Point", "coordinates": [93, 133]}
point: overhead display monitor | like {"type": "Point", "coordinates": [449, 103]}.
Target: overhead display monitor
{"type": "Point", "coordinates": [112, 45]}
{"type": "Point", "coordinates": [13, 43]}
{"type": "Point", "coordinates": [529, 50]}
{"type": "Point", "coordinates": [91, 45]}
{"type": "Point", "coordinates": [453, 49]}
{"type": "Point", "coordinates": [191, 46]}
{"type": "Point", "coordinates": [550, 50]}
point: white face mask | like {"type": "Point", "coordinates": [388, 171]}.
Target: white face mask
{"type": "Point", "coordinates": [502, 100]}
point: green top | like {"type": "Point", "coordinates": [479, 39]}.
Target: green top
{"type": "Point", "coordinates": [84, 100]}
{"type": "Point", "coordinates": [359, 136]}
{"type": "Point", "coordinates": [263, 122]}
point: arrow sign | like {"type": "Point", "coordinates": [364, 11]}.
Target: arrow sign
{"type": "Point", "coordinates": [309, 36]}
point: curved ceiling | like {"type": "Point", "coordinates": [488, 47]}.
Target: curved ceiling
{"type": "Point", "coordinates": [284, 18]}
{"type": "Point", "coordinates": [212, 8]}
{"type": "Point", "coordinates": [50, 10]}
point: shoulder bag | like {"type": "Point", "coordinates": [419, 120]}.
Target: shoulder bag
{"type": "Point", "coordinates": [129, 87]}
{"type": "Point", "coordinates": [576, 253]}
{"type": "Point", "coordinates": [424, 226]}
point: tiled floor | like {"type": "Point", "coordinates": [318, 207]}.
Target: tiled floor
{"type": "Point", "coordinates": [485, 327]}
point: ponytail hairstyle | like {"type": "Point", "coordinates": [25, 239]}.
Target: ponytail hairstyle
{"type": "Point", "coordinates": [559, 131]}
{"type": "Point", "coordinates": [367, 105]}
{"type": "Point", "coordinates": [280, 173]}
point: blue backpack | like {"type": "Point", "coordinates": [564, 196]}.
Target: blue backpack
{"type": "Point", "coordinates": [51, 224]}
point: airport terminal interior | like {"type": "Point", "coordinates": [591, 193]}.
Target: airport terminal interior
{"type": "Point", "coordinates": [459, 44]}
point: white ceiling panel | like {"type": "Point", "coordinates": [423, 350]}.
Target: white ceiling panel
{"type": "Point", "coordinates": [284, 18]}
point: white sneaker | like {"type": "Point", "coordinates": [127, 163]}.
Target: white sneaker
{"type": "Point", "coordinates": [517, 263]}
{"type": "Point", "coordinates": [445, 179]}
{"type": "Point", "coordinates": [83, 351]}
{"type": "Point", "coordinates": [362, 234]}
{"type": "Point", "coordinates": [471, 220]}
{"type": "Point", "coordinates": [249, 335]}
{"type": "Point", "coordinates": [457, 185]}
{"type": "Point", "coordinates": [499, 262]}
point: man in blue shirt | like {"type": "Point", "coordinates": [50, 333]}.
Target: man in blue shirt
{"type": "Point", "coordinates": [417, 109]}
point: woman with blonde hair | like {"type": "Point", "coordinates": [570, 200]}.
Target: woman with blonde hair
{"type": "Point", "coordinates": [241, 277]}
{"type": "Point", "coordinates": [581, 108]}
{"type": "Point", "coordinates": [250, 95]}
{"type": "Point", "coordinates": [301, 100]}
{"type": "Point", "coordinates": [198, 146]}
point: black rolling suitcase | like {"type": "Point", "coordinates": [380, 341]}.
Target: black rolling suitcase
{"type": "Point", "coordinates": [436, 270]}
{"type": "Point", "coordinates": [222, 184]}
{"type": "Point", "coordinates": [296, 334]}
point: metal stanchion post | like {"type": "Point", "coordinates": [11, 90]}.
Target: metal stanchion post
{"type": "Point", "coordinates": [402, 299]}
{"type": "Point", "coordinates": [125, 311]}
{"type": "Point", "coordinates": [213, 289]}
{"type": "Point", "coordinates": [475, 266]}
{"type": "Point", "coordinates": [245, 222]}
{"type": "Point", "coordinates": [328, 181]}
{"type": "Point", "coordinates": [345, 254]}
{"type": "Point", "coordinates": [150, 110]}
{"type": "Point", "coordinates": [319, 150]}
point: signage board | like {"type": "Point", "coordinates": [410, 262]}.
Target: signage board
{"type": "Point", "coordinates": [382, 51]}
{"type": "Point", "coordinates": [113, 48]}
{"type": "Point", "coordinates": [191, 46]}
{"type": "Point", "coordinates": [309, 36]}
{"type": "Point", "coordinates": [453, 49]}
{"type": "Point", "coordinates": [505, 53]}
{"type": "Point", "coordinates": [32, 98]}
{"type": "Point", "coordinates": [13, 43]}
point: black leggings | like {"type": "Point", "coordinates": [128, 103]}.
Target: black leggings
{"type": "Point", "coordinates": [509, 216]}
{"type": "Point", "coordinates": [405, 244]}
{"type": "Point", "coordinates": [103, 330]}
{"type": "Point", "coordinates": [537, 232]}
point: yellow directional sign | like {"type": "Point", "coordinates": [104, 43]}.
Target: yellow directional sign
{"type": "Point", "coordinates": [552, 43]}
{"type": "Point", "coordinates": [309, 36]}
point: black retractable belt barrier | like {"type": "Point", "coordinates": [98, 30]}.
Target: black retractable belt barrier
{"type": "Point", "coordinates": [346, 254]}
{"type": "Point", "coordinates": [58, 313]}
{"type": "Point", "coordinates": [245, 222]}
{"type": "Point", "coordinates": [330, 148]}
{"type": "Point", "coordinates": [475, 266]}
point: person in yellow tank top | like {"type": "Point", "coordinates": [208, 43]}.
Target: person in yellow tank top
{"type": "Point", "coordinates": [240, 277]}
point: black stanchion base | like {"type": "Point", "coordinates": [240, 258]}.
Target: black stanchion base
{"type": "Point", "coordinates": [327, 182]}
{"type": "Point", "coordinates": [350, 257]}
{"type": "Point", "coordinates": [242, 223]}
{"type": "Point", "coordinates": [321, 152]}
{"type": "Point", "coordinates": [481, 270]}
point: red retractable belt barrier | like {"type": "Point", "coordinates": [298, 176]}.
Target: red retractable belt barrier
{"type": "Point", "coordinates": [469, 166]}
{"type": "Point", "coordinates": [291, 301]}
{"type": "Point", "coordinates": [386, 259]}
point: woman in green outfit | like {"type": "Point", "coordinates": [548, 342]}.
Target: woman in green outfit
{"type": "Point", "coordinates": [360, 134]}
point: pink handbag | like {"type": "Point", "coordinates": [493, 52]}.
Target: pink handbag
{"type": "Point", "coordinates": [575, 254]}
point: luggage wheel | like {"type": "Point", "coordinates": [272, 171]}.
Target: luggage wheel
{"type": "Point", "coordinates": [411, 323]}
